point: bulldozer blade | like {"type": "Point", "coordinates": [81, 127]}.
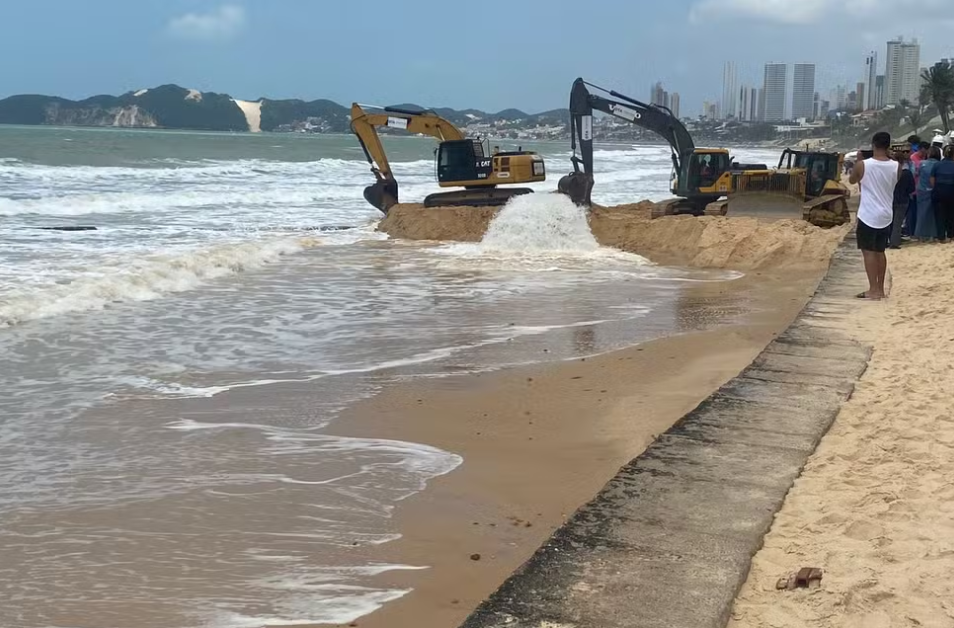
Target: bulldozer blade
{"type": "Point", "coordinates": [577, 186]}
{"type": "Point", "coordinates": [383, 194]}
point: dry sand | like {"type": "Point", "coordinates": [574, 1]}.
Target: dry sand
{"type": "Point", "coordinates": [253, 114]}
{"type": "Point", "coordinates": [740, 243]}
{"type": "Point", "coordinates": [874, 507]}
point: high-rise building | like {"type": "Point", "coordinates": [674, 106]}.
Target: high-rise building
{"type": "Point", "coordinates": [674, 103]}
{"type": "Point", "coordinates": [776, 78]}
{"type": "Point", "coordinates": [754, 104]}
{"type": "Point", "coordinates": [879, 92]}
{"type": "Point", "coordinates": [871, 77]}
{"type": "Point", "coordinates": [760, 104]}
{"type": "Point", "coordinates": [862, 96]}
{"type": "Point", "coordinates": [657, 95]}
{"type": "Point", "coordinates": [803, 91]}
{"type": "Point", "coordinates": [743, 103]}
{"type": "Point", "coordinates": [838, 97]}
{"type": "Point", "coordinates": [902, 71]}
{"type": "Point", "coordinates": [730, 94]}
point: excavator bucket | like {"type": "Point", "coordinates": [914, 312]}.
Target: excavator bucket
{"type": "Point", "coordinates": [578, 186]}
{"type": "Point", "coordinates": [383, 194]}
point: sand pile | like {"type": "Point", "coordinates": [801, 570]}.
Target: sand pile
{"type": "Point", "coordinates": [874, 507]}
{"type": "Point", "coordinates": [717, 242]}
{"type": "Point", "coordinates": [412, 221]}
{"type": "Point", "coordinates": [706, 242]}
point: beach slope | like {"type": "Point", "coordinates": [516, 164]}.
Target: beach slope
{"type": "Point", "coordinates": [874, 507]}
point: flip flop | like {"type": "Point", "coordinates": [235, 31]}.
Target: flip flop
{"type": "Point", "coordinates": [861, 295]}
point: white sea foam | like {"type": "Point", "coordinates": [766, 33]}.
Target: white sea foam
{"type": "Point", "coordinates": [542, 233]}
{"type": "Point", "coordinates": [144, 279]}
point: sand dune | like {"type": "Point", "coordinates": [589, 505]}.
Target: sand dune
{"type": "Point", "coordinates": [253, 114]}
{"type": "Point", "coordinates": [706, 242]}
{"type": "Point", "coordinates": [874, 507]}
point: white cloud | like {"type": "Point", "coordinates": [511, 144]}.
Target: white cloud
{"type": "Point", "coordinates": [221, 24]}
{"type": "Point", "coordinates": [775, 11]}
{"type": "Point", "coordinates": [902, 13]}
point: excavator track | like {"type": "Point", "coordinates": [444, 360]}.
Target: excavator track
{"type": "Point", "coordinates": [476, 197]}
{"type": "Point", "coordinates": [686, 207]}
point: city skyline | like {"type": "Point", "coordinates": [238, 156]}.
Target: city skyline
{"type": "Point", "coordinates": [799, 94]}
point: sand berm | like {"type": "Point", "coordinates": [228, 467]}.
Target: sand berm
{"type": "Point", "coordinates": [740, 243]}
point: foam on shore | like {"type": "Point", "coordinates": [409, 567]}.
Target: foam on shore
{"type": "Point", "coordinates": [740, 243]}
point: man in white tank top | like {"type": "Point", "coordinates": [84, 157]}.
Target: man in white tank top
{"type": "Point", "coordinates": [877, 177]}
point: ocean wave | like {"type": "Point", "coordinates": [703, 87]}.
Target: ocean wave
{"type": "Point", "coordinates": [145, 279]}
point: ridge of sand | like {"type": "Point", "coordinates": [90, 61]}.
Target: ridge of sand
{"type": "Point", "coordinates": [874, 507]}
{"type": "Point", "coordinates": [253, 114]}
{"type": "Point", "coordinates": [740, 243]}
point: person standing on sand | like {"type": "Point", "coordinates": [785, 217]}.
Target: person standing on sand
{"type": "Point", "coordinates": [926, 229]}
{"type": "Point", "coordinates": [876, 178]}
{"type": "Point", "coordinates": [918, 154]}
{"type": "Point", "coordinates": [902, 194]}
{"type": "Point", "coordinates": [943, 183]}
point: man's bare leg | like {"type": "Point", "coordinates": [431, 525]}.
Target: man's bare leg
{"type": "Point", "coordinates": [873, 266]}
{"type": "Point", "coordinates": [882, 272]}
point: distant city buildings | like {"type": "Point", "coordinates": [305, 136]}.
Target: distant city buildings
{"type": "Point", "coordinates": [870, 83]}
{"type": "Point", "coordinates": [674, 104]}
{"type": "Point", "coordinates": [879, 92]}
{"type": "Point", "coordinates": [658, 95]}
{"type": "Point", "coordinates": [730, 94]}
{"type": "Point", "coordinates": [902, 71]}
{"type": "Point", "coordinates": [803, 92]}
{"type": "Point", "coordinates": [774, 85]}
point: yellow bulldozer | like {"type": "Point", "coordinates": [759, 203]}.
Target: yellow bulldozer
{"type": "Point", "coordinates": [704, 180]}
{"type": "Point", "coordinates": [461, 162]}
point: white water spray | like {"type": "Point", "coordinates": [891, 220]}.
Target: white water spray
{"type": "Point", "coordinates": [537, 223]}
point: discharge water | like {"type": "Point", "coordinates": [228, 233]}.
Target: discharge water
{"type": "Point", "coordinates": [224, 263]}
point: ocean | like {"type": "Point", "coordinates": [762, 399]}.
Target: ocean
{"type": "Point", "coordinates": [234, 261]}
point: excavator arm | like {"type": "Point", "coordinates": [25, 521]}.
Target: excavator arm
{"type": "Point", "coordinates": [384, 192]}
{"type": "Point", "coordinates": [578, 185]}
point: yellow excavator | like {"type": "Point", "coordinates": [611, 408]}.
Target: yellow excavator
{"type": "Point", "coordinates": [461, 162]}
{"type": "Point", "coordinates": [704, 179]}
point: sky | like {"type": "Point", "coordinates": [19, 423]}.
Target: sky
{"type": "Point", "coordinates": [489, 55]}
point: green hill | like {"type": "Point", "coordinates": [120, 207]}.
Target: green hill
{"type": "Point", "coordinates": [174, 107]}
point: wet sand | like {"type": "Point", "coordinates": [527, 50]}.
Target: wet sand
{"type": "Point", "coordinates": [538, 442]}
{"type": "Point", "coordinates": [873, 507]}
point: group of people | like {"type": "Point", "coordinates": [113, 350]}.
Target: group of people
{"type": "Point", "coordinates": [906, 191]}
{"type": "Point", "coordinates": [924, 193]}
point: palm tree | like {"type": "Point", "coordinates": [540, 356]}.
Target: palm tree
{"type": "Point", "coordinates": [916, 118]}
{"type": "Point", "coordinates": [939, 84]}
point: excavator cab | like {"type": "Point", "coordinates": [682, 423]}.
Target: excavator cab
{"type": "Point", "coordinates": [708, 170]}
{"type": "Point", "coordinates": [462, 161]}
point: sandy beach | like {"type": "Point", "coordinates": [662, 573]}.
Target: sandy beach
{"type": "Point", "coordinates": [873, 505]}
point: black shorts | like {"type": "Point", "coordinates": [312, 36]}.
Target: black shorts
{"type": "Point", "coordinates": [871, 239]}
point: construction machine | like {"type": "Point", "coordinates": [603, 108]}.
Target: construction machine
{"type": "Point", "coordinates": [461, 162]}
{"type": "Point", "coordinates": [702, 178]}
{"type": "Point", "coordinates": [817, 176]}
{"type": "Point", "coordinates": [700, 175]}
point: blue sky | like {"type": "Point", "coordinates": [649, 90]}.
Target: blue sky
{"type": "Point", "coordinates": [489, 54]}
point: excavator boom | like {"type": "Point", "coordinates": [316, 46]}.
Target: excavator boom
{"type": "Point", "coordinates": [658, 119]}
{"type": "Point", "coordinates": [384, 192]}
